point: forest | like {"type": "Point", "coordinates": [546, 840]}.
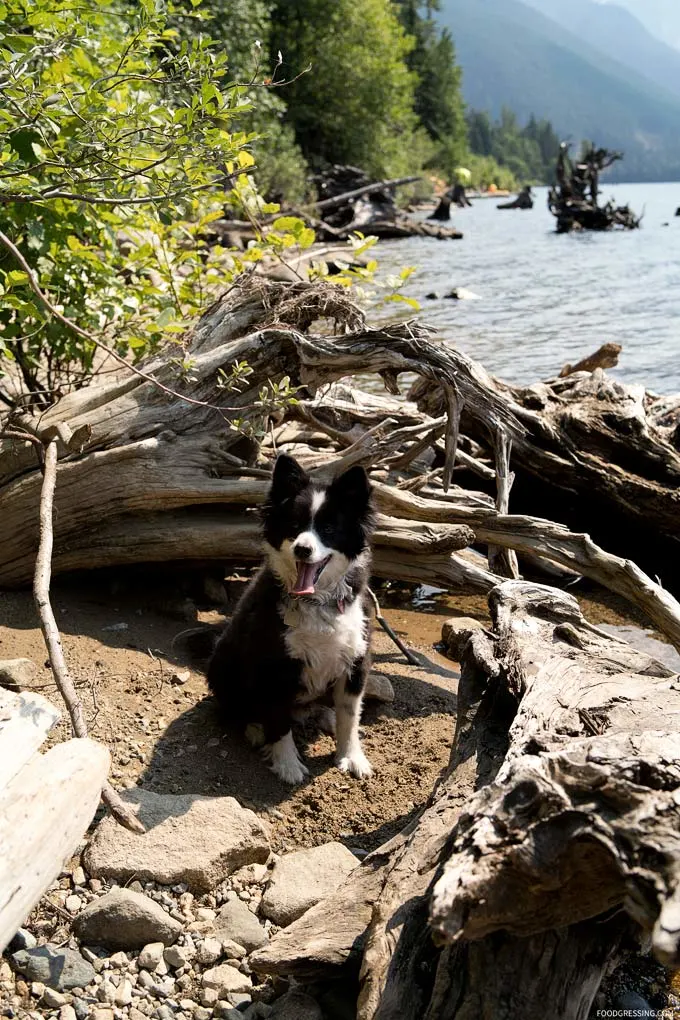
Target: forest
{"type": "Point", "coordinates": [400, 108]}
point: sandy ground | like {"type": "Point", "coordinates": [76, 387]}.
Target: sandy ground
{"type": "Point", "coordinates": [118, 631]}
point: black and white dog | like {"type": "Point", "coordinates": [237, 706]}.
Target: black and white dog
{"type": "Point", "coordinates": [302, 625]}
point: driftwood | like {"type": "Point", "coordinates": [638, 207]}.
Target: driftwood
{"type": "Point", "coordinates": [350, 201]}
{"type": "Point", "coordinates": [600, 455]}
{"type": "Point", "coordinates": [570, 842]}
{"type": "Point", "coordinates": [574, 201]}
{"type": "Point", "coordinates": [606, 356]}
{"type": "Point", "coordinates": [46, 803]}
{"type": "Point", "coordinates": [524, 200]}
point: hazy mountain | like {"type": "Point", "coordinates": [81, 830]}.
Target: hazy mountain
{"type": "Point", "coordinates": [660, 17]}
{"type": "Point", "coordinates": [512, 55]}
{"type": "Point", "coordinates": [617, 32]}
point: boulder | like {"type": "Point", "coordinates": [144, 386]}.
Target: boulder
{"type": "Point", "coordinates": [237, 923]}
{"type": "Point", "coordinates": [57, 968]}
{"type": "Point", "coordinates": [195, 840]}
{"type": "Point", "coordinates": [301, 879]}
{"type": "Point", "coordinates": [15, 674]}
{"type": "Point", "coordinates": [123, 919]}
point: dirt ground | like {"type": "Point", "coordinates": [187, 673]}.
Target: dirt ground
{"type": "Point", "coordinates": [152, 710]}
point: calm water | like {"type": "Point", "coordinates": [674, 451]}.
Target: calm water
{"type": "Point", "coordinates": [546, 299]}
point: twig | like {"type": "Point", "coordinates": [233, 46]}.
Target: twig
{"type": "Point", "coordinates": [410, 657]}
{"type": "Point", "coordinates": [48, 625]}
{"type": "Point", "coordinates": [9, 197]}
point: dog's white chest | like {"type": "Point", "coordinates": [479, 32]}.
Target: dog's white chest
{"type": "Point", "coordinates": [326, 641]}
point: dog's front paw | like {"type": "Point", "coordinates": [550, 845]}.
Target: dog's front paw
{"type": "Point", "coordinates": [357, 764]}
{"type": "Point", "coordinates": [291, 772]}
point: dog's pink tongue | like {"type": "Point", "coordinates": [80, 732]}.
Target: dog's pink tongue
{"type": "Point", "coordinates": [304, 582]}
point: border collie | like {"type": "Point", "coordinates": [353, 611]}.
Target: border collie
{"type": "Point", "coordinates": [302, 626]}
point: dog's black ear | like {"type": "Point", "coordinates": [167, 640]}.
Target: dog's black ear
{"type": "Point", "coordinates": [288, 479]}
{"type": "Point", "coordinates": [353, 487]}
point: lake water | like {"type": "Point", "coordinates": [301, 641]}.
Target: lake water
{"type": "Point", "coordinates": [546, 299]}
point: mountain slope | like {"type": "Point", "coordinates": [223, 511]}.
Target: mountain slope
{"type": "Point", "coordinates": [660, 17]}
{"type": "Point", "coordinates": [514, 56]}
{"type": "Point", "coordinates": [617, 32]}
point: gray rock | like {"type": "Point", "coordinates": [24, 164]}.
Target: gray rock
{"type": "Point", "coordinates": [81, 1008]}
{"type": "Point", "coordinates": [15, 674]}
{"type": "Point", "coordinates": [258, 1011]}
{"type": "Point", "coordinates": [379, 688]}
{"type": "Point", "coordinates": [190, 839]}
{"type": "Point", "coordinates": [225, 979]}
{"type": "Point", "coordinates": [238, 924]}
{"type": "Point", "coordinates": [296, 1006]}
{"type": "Point", "coordinates": [301, 879]}
{"type": "Point", "coordinates": [57, 968]}
{"type": "Point", "coordinates": [125, 920]}
{"type": "Point", "coordinates": [23, 939]}
{"type": "Point", "coordinates": [455, 634]}
{"type": "Point", "coordinates": [629, 1000]}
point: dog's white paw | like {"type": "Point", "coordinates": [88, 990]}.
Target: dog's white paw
{"type": "Point", "coordinates": [357, 764]}
{"type": "Point", "coordinates": [291, 772]}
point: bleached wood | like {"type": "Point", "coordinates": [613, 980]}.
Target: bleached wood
{"type": "Point", "coordinates": [25, 721]}
{"type": "Point", "coordinates": [44, 812]}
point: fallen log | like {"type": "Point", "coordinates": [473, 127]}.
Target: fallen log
{"type": "Point", "coordinates": [596, 454]}
{"type": "Point", "coordinates": [530, 885]}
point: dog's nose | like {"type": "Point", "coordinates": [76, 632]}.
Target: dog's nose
{"type": "Point", "coordinates": [302, 551]}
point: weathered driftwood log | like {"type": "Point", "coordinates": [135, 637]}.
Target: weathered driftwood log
{"type": "Point", "coordinates": [599, 455]}
{"type": "Point", "coordinates": [46, 803]}
{"type": "Point", "coordinates": [522, 882]}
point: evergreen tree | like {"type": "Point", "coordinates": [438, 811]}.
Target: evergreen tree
{"type": "Point", "coordinates": [355, 104]}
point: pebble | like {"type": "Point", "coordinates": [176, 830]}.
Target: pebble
{"type": "Point", "coordinates": [37, 989]}
{"type": "Point", "coordinates": [209, 951]}
{"type": "Point", "coordinates": [226, 979]}
{"type": "Point", "coordinates": [106, 992]}
{"type": "Point", "coordinates": [151, 955]}
{"type": "Point", "coordinates": [73, 904]}
{"type": "Point", "coordinates": [205, 914]}
{"type": "Point", "coordinates": [78, 876]}
{"type": "Point", "coordinates": [209, 996]}
{"type": "Point", "coordinates": [53, 999]}
{"type": "Point", "coordinates": [119, 960]}
{"type": "Point", "coordinates": [102, 1013]}
{"type": "Point", "coordinates": [178, 956]}
{"type": "Point", "coordinates": [123, 996]}
{"type": "Point", "coordinates": [67, 1012]}
{"type": "Point", "coordinates": [145, 980]}
{"type": "Point", "coordinates": [233, 949]}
